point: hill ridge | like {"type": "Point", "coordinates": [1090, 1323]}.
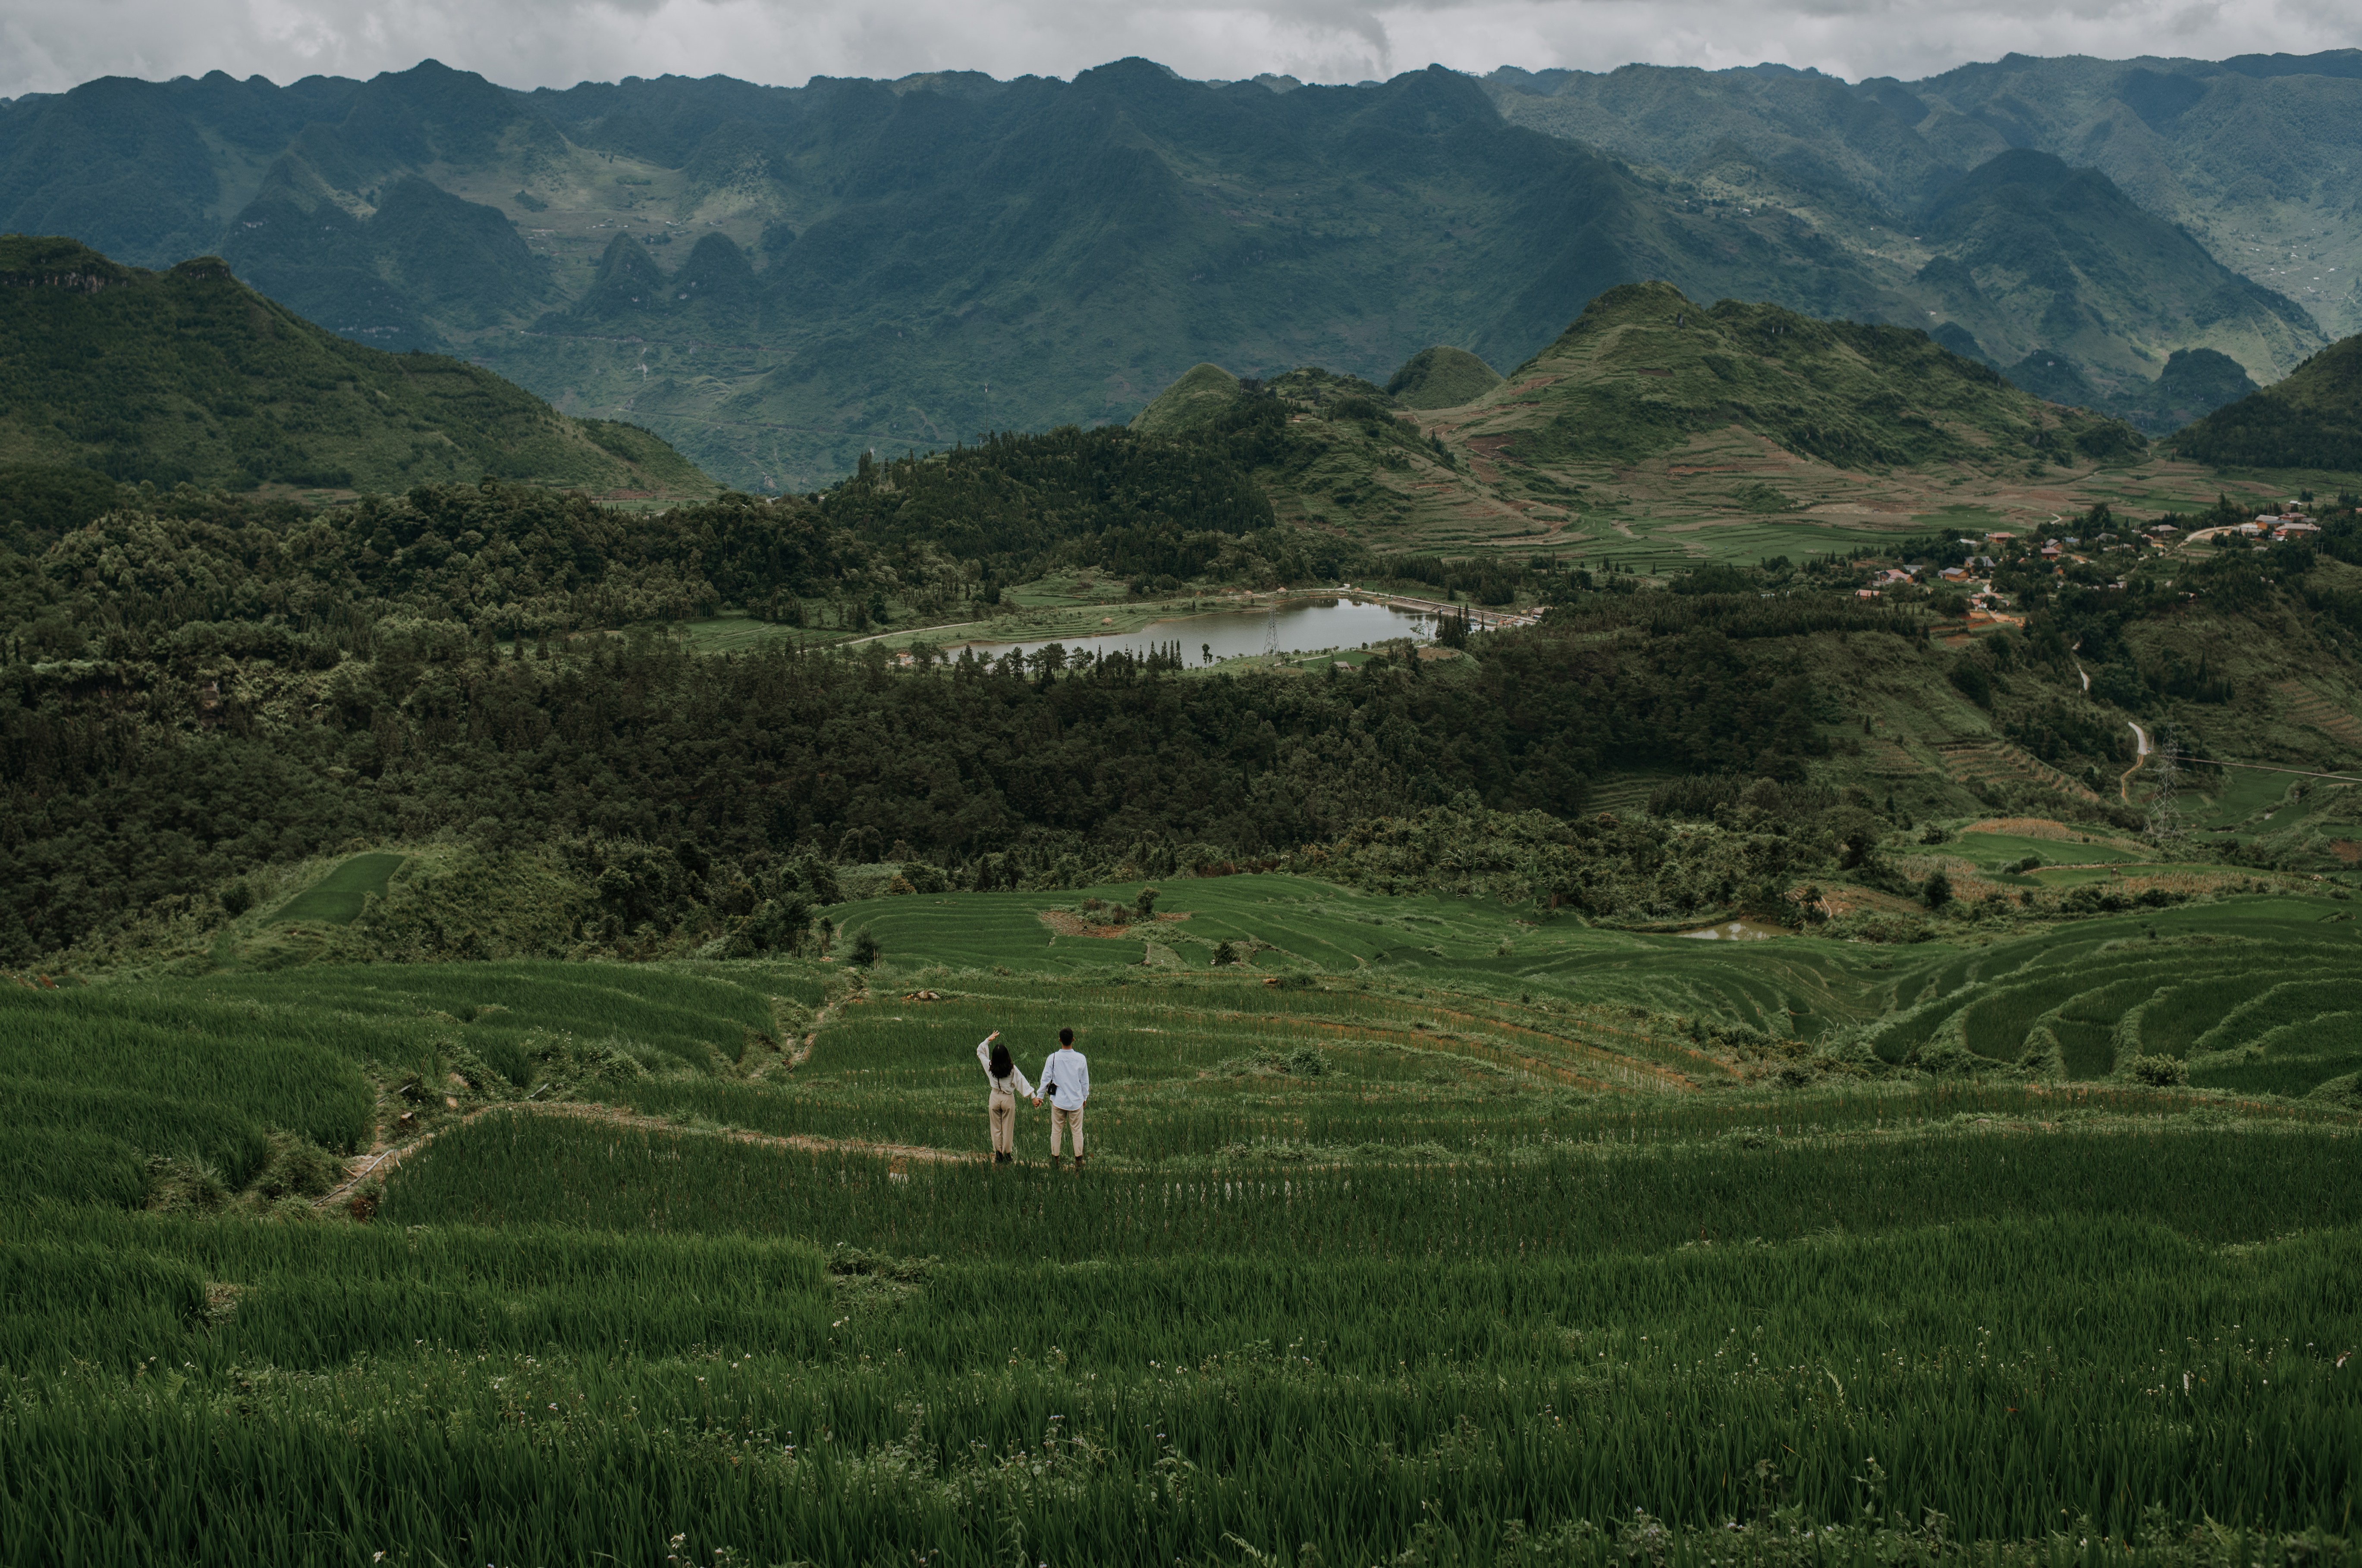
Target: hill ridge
{"type": "Point", "coordinates": [187, 374]}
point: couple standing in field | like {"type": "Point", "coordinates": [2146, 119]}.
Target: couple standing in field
{"type": "Point", "coordinates": [1065, 1083]}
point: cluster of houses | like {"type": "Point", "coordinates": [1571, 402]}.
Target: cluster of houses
{"type": "Point", "coordinates": [1975, 574]}
{"type": "Point", "coordinates": [2280, 525]}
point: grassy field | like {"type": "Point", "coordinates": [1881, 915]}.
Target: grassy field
{"type": "Point", "coordinates": [337, 897]}
{"type": "Point", "coordinates": [1433, 1231]}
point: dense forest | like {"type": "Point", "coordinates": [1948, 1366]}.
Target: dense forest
{"type": "Point", "coordinates": [501, 560]}
{"type": "Point", "coordinates": [212, 746]}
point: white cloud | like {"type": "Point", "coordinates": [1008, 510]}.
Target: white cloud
{"type": "Point", "coordinates": [48, 45]}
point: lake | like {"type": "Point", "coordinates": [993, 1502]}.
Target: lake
{"type": "Point", "coordinates": [1233, 633]}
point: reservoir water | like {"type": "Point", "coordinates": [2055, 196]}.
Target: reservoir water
{"type": "Point", "coordinates": [1737, 931]}
{"type": "Point", "coordinates": [1232, 634]}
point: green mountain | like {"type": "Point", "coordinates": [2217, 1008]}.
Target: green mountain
{"type": "Point", "coordinates": [189, 375]}
{"type": "Point", "coordinates": [1644, 372]}
{"type": "Point", "coordinates": [1203, 394]}
{"type": "Point", "coordinates": [2310, 419]}
{"type": "Point", "coordinates": [1442, 377]}
{"type": "Point", "coordinates": [779, 280]}
{"type": "Point", "coordinates": [1650, 418]}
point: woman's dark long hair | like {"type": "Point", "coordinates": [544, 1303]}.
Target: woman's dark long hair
{"type": "Point", "coordinates": [1001, 1066]}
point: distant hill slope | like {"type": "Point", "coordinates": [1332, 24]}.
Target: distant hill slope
{"type": "Point", "coordinates": [1203, 394]}
{"type": "Point", "coordinates": [1442, 377]}
{"type": "Point", "coordinates": [2311, 420]}
{"type": "Point", "coordinates": [189, 375]}
{"type": "Point", "coordinates": [2254, 156]}
{"type": "Point", "coordinates": [2194, 382]}
{"type": "Point", "coordinates": [1644, 370]}
{"type": "Point", "coordinates": [2034, 252]}
{"type": "Point", "coordinates": [1649, 404]}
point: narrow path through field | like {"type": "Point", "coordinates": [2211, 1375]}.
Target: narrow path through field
{"type": "Point", "coordinates": [802, 1052]}
{"type": "Point", "coordinates": [2140, 739]}
{"type": "Point", "coordinates": [381, 1164]}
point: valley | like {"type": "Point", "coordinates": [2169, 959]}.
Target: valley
{"type": "Point", "coordinates": [1683, 745]}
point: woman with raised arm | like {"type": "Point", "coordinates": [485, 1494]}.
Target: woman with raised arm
{"type": "Point", "coordinates": [1003, 1083]}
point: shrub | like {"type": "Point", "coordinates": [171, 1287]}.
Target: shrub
{"type": "Point", "coordinates": [1225, 954]}
{"type": "Point", "coordinates": [865, 951]}
{"type": "Point", "coordinates": [1937, 890]}
{"type": "Point", "coordinates": [2158, 1072]}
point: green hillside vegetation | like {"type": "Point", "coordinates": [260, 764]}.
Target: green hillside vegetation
{"type": "Point", "coordinates": [2311, 420]}
{"type": "Point", "coordinates": [1747, 750]}
{"type": "Point", "coordinates": [189, 377]}
{"type": "Point", "coordinates": [508, 1076]}
{"type": "Point", "coordinates": [1200, 397]}
{"type": "Point", "coordinates": [1411, 199]}
{"type": "Point", "coordinates": [1644, 370]}
{"type": "Point", "coordinates": [1442, 377]}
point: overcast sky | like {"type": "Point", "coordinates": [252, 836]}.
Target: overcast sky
{"type": "Point", "coordinates": [49, 45]}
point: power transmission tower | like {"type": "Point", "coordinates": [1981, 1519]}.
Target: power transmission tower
{"type": "Point", "coordinates": [1271, 630]}
{"type": "Point", "coordinates": [2164, 810]}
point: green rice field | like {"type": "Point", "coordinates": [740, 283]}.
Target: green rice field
{"type": "Point", "coordinates": [1431, 1231]}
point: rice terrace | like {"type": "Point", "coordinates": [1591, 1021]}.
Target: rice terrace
{"type": "Point", "coordinates": [1442, 1230]}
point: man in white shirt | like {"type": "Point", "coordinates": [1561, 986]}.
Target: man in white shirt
{"type": "Point", "coordinates": [1066, 1080]}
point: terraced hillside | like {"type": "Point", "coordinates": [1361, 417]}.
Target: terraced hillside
{"type": "Point", "coordinates": [1660, 433]}
{"type": "Point", "coordinates": [2257, 1004]}
{"type": "Point", "coordinates": [538, 1261]}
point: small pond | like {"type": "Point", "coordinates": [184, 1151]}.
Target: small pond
{"type": "Point", "coordinates": [1308, 628]}
{"type": "Point", "coordinates": [1737, 931]}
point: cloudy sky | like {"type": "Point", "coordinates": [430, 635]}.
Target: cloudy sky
{"type": "Point", "coordinates": [49, 45]}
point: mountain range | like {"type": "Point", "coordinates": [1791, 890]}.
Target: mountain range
{"type": "Point", "coordinates": [777, 279]}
